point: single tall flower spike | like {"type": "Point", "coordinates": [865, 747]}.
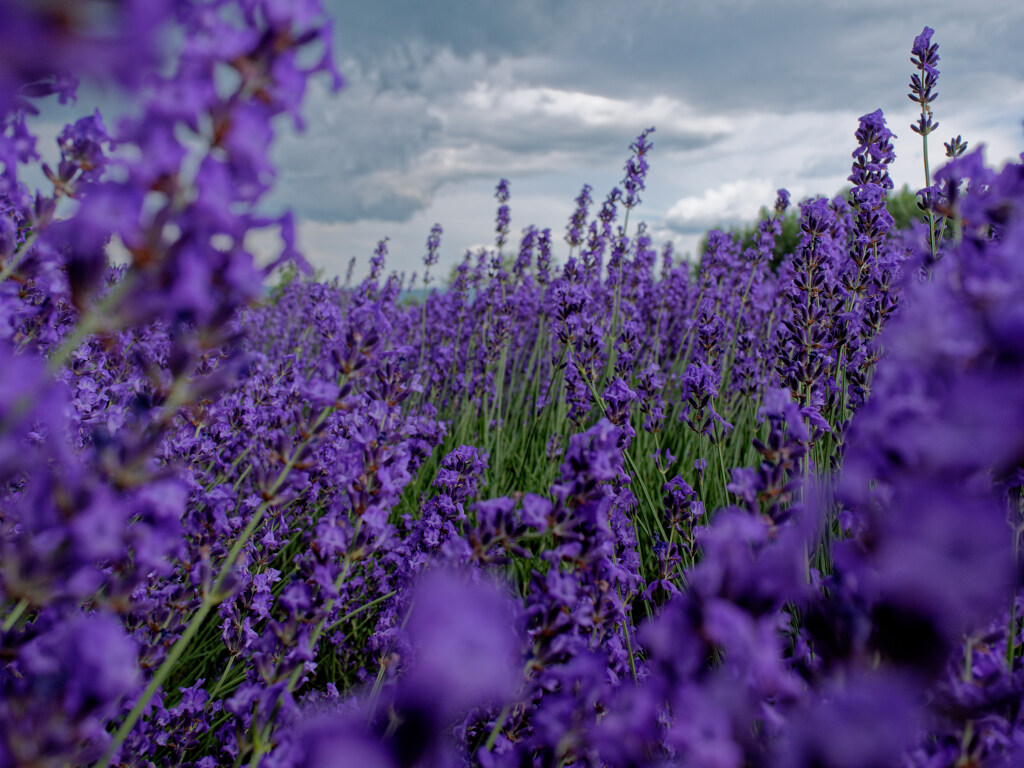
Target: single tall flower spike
{"type": "Point", "coordinates": [635, 180]}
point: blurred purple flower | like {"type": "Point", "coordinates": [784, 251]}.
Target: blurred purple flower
{"type": "Point", "coordinates": [465, 643]}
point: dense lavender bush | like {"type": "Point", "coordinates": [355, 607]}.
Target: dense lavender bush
{"type": "Point", "coordinates": [764, 510]}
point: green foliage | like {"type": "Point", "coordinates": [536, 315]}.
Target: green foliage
{"type": "Point", "coordinates": [903, 208]}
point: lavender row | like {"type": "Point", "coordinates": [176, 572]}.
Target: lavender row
{"type": "Point", "coordinates": [608, 510]}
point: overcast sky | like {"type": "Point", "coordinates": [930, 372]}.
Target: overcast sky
{"type": "Point", "coordinates": [444, 98]}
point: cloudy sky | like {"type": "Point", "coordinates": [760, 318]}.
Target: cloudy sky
{"type": "Point", "coordinates": [443, 98]}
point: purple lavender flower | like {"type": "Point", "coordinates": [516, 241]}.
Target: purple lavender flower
{"type": "Point", "coordinates": [924, 55]}
{"type": "Point", "coordinates": [832, 734]}
{"type": "Point", "coordinates": [619, 397]}
{"type": "Point", "coordinates": [81, 149]}
{"type": "Point", "coordinates": [874, 151]}
{"type": "Point", "coordinates": [544, 257]}
{"type": "Point", "coordinates": [453, 618]}
{"type": "Point", "coordinates": [433, 243]}
{"type": "Point", "coordinates": [332, 740]}
{"type": "Point", "coordinates": [66, 685]}
{"type": "Point", "coordinates": [635, 179]}
{"type": "Point", "coordinates": [380, 254]}
{"type": "Point", "coordinates": [47, 50]}
{"type": "Point", "coordinates": [781, 202]}
{"type": "Point", "coordinates": [955, 147]}
{"type": "Point", "coordinates": [699, 390]}
{"type": "Point", "coordinates": [502, 222]}
{"type": "Point", "coordinates": [574, 230]}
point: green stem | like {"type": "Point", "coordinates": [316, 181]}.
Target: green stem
{"type": "Point", "coordinates": [1011, 631]}
{"type": "Point", "coordinates": [492, 737]}
{"type": "Point", "coordinates": [928, 183]}
{"type": "Point", "coordinates": [224, 676]}
{"type": "Point", "coordinates": [721, 464]}
{"type": "Point", "coordinates": [423, 334]}
{"type": "Point", "coordinates": [629, 643]}
{"type": "Point", "coordinates": [360, 609]}
{"type": "Point", "coordinates": [14, 615]}
{"type": "Point", "coordinates": [12, 263]}
{"type": "Point", "coordinates": [925, 112]}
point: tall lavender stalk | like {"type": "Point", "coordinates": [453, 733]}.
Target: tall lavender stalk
{"type": "Point", "coordinates": [925, 55]}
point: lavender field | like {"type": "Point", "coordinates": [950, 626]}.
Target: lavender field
{"type": "Point", "coordinates": [588, 503]}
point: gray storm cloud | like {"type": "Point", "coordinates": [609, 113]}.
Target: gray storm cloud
{"type": "Point", "coordinates": [451, 91]}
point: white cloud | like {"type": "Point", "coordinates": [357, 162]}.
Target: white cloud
{"type": "Point", "coordinates": [728, 203]}
{"type": "Point", "coordinates": [568, 111]}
